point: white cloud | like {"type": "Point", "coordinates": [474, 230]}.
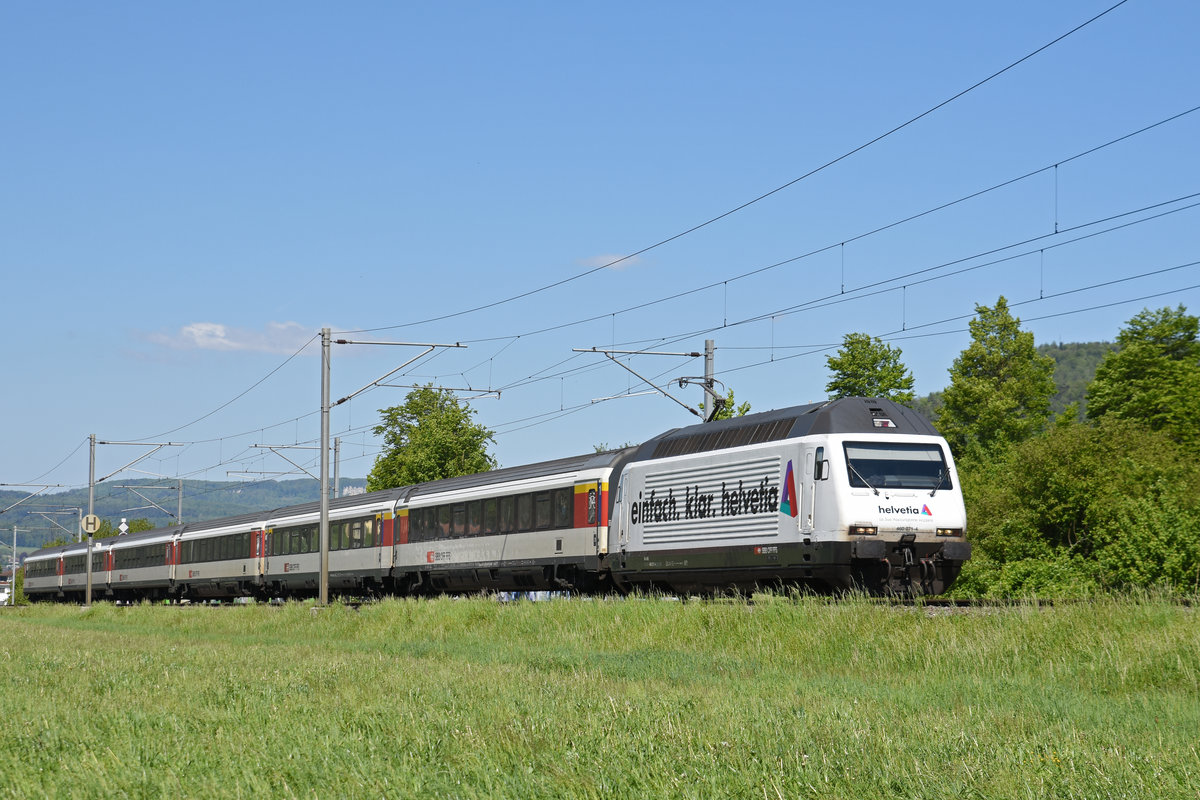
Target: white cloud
{"type": "Point", "coordinates": [623, 262]}
{"type": "Point", "coordinates": [278, 337]}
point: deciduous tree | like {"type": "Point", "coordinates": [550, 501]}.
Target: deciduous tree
{"type": "Point", "coordinates": [1000, 386]}
{"type": "Point", "coordinates": [866, 367]}
{"type": "Point", "coordinates": [430, 436]}
{"type": "Point", "coordinates": [1153, 376]}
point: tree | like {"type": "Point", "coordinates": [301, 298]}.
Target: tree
{"type": "Point", "coordinates": [727, 408]}
{"type": "Point", "coordinates": [866, 367]}
{"type": "Point", "coordinates": [1000, 386]}
{"type": "Point", "coordinates": [18, 588]}
{"type": "Point", "coordinates": [430, 436]}
{"type": "Point", "coordinates": [1153, 376]}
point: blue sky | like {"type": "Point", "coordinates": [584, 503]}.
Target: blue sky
{"type": "Point", "coordinates": [190, 192]}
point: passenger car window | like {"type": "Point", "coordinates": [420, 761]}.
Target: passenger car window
{"type": "Point", "coordinates": [508, 514]}
{"type": "Point", "coordinates": [563, 508]}
{"type": "Point", "coordinates": [525, 512]}
{"type": "Point", "coordinates": [542, 510]}
{"type": "Point", "coordinates": [491, 518]}
{"type": "Point", "coordinates": [474, 512]}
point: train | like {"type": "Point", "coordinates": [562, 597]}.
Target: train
{"type": "Point", "coordinates": [855, 493]}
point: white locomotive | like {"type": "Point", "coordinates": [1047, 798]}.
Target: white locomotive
{"type": "Point", "coordinates": [856, 492]}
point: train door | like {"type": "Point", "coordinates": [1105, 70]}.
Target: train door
{"type": "Point", "coordinates": [588, 513]}
{"type": "Point", "coordinates": [107, 557]}
{"type": "Point", "coordinates": [266, 535]}
{"type": "Point", "coordinates": [595, 516]}
{"type": "Point", "coordinates": [816, 470]}
{"type": "Point", "coordinates": [172, 559]}
{"type": "Point", "coordinates": [619, 522]}
{"type": "Point", "coordinates": [383, 542]}
{"type": "Point", "coordinates": [807, 491]}
{"type": "Point", "coordinates": [258, 552]}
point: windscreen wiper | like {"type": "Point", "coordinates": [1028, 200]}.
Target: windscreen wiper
{"type": "Point", "coordinates": [866, 483]}
{"type": "Point", "coordinates": [941, 480]}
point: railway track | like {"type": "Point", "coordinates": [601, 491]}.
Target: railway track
{"type": "Point", "coordinates": [933, 606]}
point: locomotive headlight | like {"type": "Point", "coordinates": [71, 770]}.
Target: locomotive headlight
{"type": "Point", "coordinates": [949, 532]}
{"type": "Point", "coordinates": [863, 530]}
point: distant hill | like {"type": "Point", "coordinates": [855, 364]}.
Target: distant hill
{"type": "Point", "coordinates": [1074, 367]}
{"type": "Point", "coordinates": [202, 500]}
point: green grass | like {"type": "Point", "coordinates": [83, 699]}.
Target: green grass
{"type": "Point", "coordinates": [787, 697]}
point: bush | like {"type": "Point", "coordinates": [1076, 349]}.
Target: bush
{"type": "Point", "coordinates": [1058, 575]}
{"type": "Point", "coordinates": [1081, 507]}
{"type": "Point", "coordinates": [1152, 540]}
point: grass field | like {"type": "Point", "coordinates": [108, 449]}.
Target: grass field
{"type": "Point", "coordinates": [785, 698]}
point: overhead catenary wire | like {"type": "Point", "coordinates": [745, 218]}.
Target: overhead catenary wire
{"type": "Point", "coordinates": [1041, 297]}
{"type": "Point", "coordinates": [837, 298]}
{"type": "Point", "coordinates": [885, 285]}
{"type": "Point", "coordinates": [823, 348]}
{"type": "Point", "coordinates": [816, 349]}
{"type": "Point", "coordinates": [896, 335]}
{"type": "Point", "coordinates": [233, 400]}
{"type": "Point", "coordinates": [764, 195]}
{"type": "Point", "coordinates": [725, 281]}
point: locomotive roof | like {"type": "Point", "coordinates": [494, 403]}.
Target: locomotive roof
{"type": "Point", "coordinates": [845, 415]}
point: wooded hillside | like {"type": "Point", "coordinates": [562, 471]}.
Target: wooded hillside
{"type": "Point", "coordinates": [202, 500]}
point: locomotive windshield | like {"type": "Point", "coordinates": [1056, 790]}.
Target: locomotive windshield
{"type": "Point", "coordinates": [897, 465]}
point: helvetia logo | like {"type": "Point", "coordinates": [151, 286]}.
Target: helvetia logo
{"type": "Point", "coordinates": [923, 510]}
{"type": "Point", "coordinates": [790, 504]}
